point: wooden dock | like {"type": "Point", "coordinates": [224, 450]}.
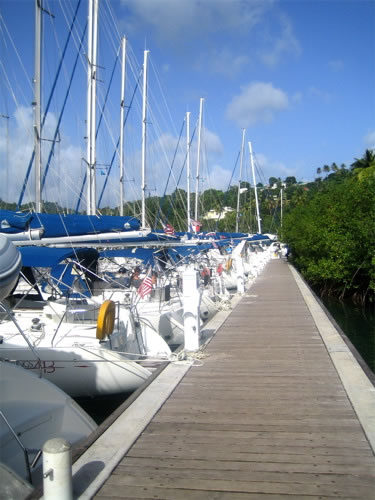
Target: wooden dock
{"type": "Point", "coordinates": [263, 415]}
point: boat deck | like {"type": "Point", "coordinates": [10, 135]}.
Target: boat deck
{"type": "Point", "coordinates": [277, 407]}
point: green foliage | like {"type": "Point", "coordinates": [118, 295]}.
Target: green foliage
{"type": "Point", "coordinates": [290, 180]}
{"type": "Point", "coordinates": [331, 234]}
{"type": "Point", "coordinates": [272, 181]}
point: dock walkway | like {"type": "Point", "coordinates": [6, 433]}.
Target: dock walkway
{"type": "Point", "coordinates": [263, 415]}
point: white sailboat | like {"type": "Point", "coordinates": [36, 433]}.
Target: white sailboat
{"type": "Point", "coordinates": [63, 342]}
{"type": "Point", "coordinates": [75, 345]}
{"type": "Point", "coordinates": [32, 410]}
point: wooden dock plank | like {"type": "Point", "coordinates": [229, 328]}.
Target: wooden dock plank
{"type": "Point", "coordinates": [351, 472]}
{"type": "Point", "coordinates": [263, 416]}
{"type": "Point", "coordinates": [242, 486]}
{"type": "Point", "coordinates": [146, 493]}
{"type": "Point", "coordinates": [237, 475]}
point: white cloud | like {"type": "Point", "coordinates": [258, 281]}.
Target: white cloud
{"type": "Point", "coordinates": [258, 102]}
{"type": "Point", "coordinates": [284, 43]}
{"type": "Point", "coordinates": [15, 149]}
{"type": "Point", "coordinates": [174, 20]}
{"type": "Point", "coordinates": [212, 142]}
{"type": "Point", "coordinates": [203, 32]}
{"type": "Point", "coordinates": [67, 168]}
{"type": "Point", "coordinates": [62, 184]}
{"type": "Point", "coordinates": [160, 154]}
{"type": "Point", "coordinates": [218, 178]}
{"type": "Point", "coordinates": [166, 144]}
{"type": "Point", "coordinates": [369, 139]}
{"type": "Point", "coordinates": [272, 168]}
{"type": "Point", "coordinates": [320, 94]}
{"type": "Point", "coordinates": [223, 61]}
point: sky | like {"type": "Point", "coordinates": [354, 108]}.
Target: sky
{"type": "Point", "coordinates": [297, 75]}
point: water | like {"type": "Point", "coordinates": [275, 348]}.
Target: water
{"type": "Point", "coordinates": [100, 408]}
{"type": "Point", "coordinates": [358, 324]}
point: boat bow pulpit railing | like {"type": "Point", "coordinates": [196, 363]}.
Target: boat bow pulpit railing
{"type": "Point", "coordinates": [13, 319]}
{"type": "Point", "coordinates": [24, 449]}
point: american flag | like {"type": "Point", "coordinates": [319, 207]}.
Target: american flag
{"type": "Point", "coordinates": [169, 230]}
{"type": "Point", "coordinates": [145, 287]}
{"type": "Point", "coordinates": [195, 225]}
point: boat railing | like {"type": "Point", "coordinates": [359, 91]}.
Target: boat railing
{"type": "Point", "coordinates": [11, 316]}
{"type": "Point", "coordinates": [83, 314]}
{"type": "Point", "coordinates": [23, 448]}
{"type": "Point", "coordinates": [58, 327]}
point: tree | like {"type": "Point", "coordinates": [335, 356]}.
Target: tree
{"type": "Point", "coordinates": [331, 236]}
{"type": "Point", "coordinates": [367, 162]}
{"type": "Point", "coordinates": [334, 167]}
{"type": "Point", "coordinates": [272, 181]}
{"type": "Point", "coordinates": [290, 180]}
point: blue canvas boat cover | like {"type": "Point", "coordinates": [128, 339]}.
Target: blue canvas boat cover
{"type": "Point", "coordinates": [257, 237]}
{"type": "Point", "coordinates": [187, 250]}
{"type": "Point", "coordinates": [62, 275]}
{"type": "Point", "coordinates": [50, 257]}
{"type": "Point", "coordinates": [55, 225]}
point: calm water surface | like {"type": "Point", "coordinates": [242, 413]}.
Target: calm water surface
{"type": "Point", "coordinates": [358, 324]}
{"type": "Point", "coordinates": [100, 408]}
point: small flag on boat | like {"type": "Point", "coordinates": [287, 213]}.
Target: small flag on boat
{"type": "Point", "coordinates": [195, 226]}
{"type": "Point", "coordinates": [145, 287]}
{"type": "Point", "coordinates": [169, 229]}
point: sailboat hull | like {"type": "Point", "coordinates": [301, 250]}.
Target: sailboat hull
{"type": "Point", "coordinates": [36, 411]}
{"type": "Point", "coordinates": [80, 371]}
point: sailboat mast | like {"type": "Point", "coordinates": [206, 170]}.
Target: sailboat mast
{"type": "Point", "coordinates": [281, 207]}
{"type": "Point", "coordinates": [239, 181]}
{"type": "Point", "coordinates": [37, 106]}
{"type": "Point", "coordinates": [198, 158]}
{"type": "Point", "coordinates": [144, 131]}
{"type": "Point", "coordinates": [188, 168]}
{"type": "Point", "coordinates": [88, 106]}
{"type": "Point", "coordinates": [122, 109]}
{"type": "Point", "coordinates": [91, 105]}
{"type": "Point", "coordinates": [255, 187]}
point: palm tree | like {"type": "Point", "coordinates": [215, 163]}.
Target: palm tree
{"type": "Point", "coordinates": [318, 170]}
{"type": "Point", "coordinates": [364, 167]}
{"type": "Point", "coordinates": [367, 161]}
